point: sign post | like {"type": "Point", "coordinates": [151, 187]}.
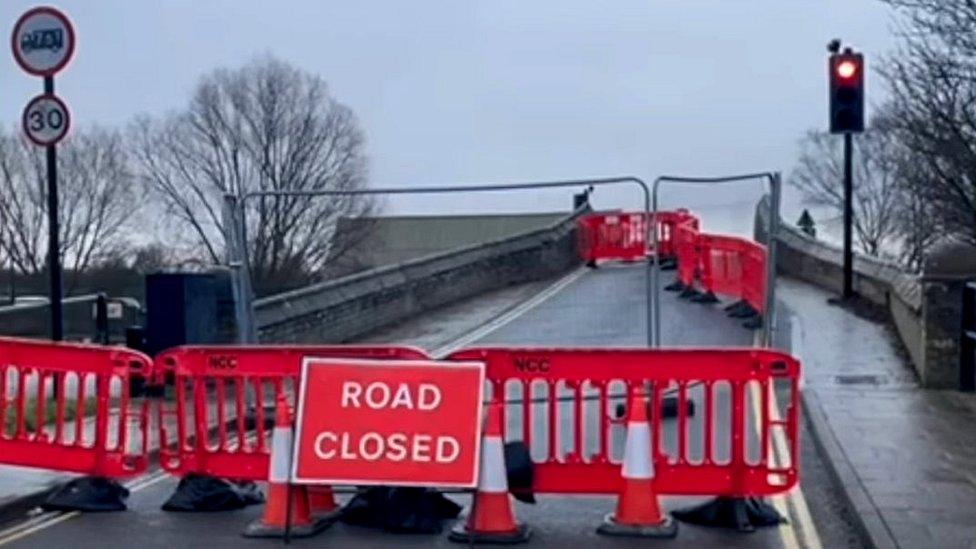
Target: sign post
{"type": "Point", "coordinates": [43, 42]}
{"type": "Point", "coordinates": [391, 423]}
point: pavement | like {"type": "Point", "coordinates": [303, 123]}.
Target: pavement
{"type": "Point", "coordinates": [904, 456]}
{"type": "Point", "coordinates": [586, 308]}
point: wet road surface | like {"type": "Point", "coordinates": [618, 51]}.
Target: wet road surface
{"type": "Point", "coordinates": [600, 308]}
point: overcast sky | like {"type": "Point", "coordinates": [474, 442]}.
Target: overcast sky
{"type": "Point", "coordinates": [464, 92]}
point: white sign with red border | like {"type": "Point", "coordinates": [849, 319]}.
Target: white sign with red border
{"type": "Point", "coordinates": [389, 422]}
{"type": "Point", "coordinates": [46, 120]}
{"type": "Point", "coordinates": [43, 41]}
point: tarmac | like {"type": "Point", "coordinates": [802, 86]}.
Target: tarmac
{"type": "Point", "coordinates": [586, 308]}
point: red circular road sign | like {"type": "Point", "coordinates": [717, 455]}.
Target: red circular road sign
{"type": "Point", "coordinates": [46, 120]}
{"type": "Point", "coordinates": [43, 41]}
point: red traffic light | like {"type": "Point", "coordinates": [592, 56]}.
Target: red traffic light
{"type": "Point", "coordinates": [846, 69]}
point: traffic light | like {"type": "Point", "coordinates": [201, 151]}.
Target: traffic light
{"type": "Point", "coordinates": [846, 92]}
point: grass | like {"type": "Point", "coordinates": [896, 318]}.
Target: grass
{"type": "Point", "coordinates": [49, 416]}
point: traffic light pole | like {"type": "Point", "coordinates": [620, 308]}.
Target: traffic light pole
{"type": "Point", "coordinates": [848, 291]}
{"type": "Point", "coordinates": [53, 243]}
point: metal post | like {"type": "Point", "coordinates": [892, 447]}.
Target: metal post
{"type": "Point", "coordinates": [650, 271]}
{"type": "Point", "coordinates": [848, 217]}
{"type": "Point", "coordinates": [656, 272]}
{"type": "Point", "coordinates": [53, 244]}
{"type": "Point", "coordinates": [775, 184]}
{"type": "Point", "coordinates": [232, 254]}
{"type": "Point", "coordinates": [247, 292]}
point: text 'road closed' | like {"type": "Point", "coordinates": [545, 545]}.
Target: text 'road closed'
{"type": "Point", "coordinates": [389, 422]}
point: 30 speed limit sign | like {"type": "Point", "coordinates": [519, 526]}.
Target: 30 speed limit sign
{"type": "Point", "coordinates": [46, 120]}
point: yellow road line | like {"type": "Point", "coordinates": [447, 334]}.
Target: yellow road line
{"type": "Point", "coordinates": [800, 531]}
{"type": "Point", "coordinates": [23, 532]}
{"type": "Point", "coordinates": [48, 520]}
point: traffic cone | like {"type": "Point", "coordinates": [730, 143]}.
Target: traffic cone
{"type": "Point", "coordinates": [638, 511]}
{"type": "Point", "coordinates": [491, 519]}
{"type": "Point", "coordinates": [274, 522]}
{"type": "Point", "coordinates": [322, 503]}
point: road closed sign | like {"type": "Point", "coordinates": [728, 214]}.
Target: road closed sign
{"type": "Point", "coordinates": [388, 422]}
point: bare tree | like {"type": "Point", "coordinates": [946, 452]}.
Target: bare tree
{"type": "Point", "coordinates": [820, 176]}
{"type": "Point", "coordinates": [266, 126]}
{"type": "Point", "coordinates": [933, 81]}
{"type": "Point", "coordinates": [916, 224]}
{"type": "Point", "coordinates": [97, 200]}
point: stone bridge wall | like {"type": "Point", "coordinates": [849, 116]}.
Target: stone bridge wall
{"type": "Point", "coordinates": [925, 309]}
{"type": "Point", "coordinates": [339, 310]}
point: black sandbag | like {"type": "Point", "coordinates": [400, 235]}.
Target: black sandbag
{"type": "Point", "coordinates": [401, 510]}
{"type": "Point", "coordinates": [742, 514]}
{"type": "Point", "coordinates": [88, 494]}
{"type": "Point", "coordinates": [202, 493]}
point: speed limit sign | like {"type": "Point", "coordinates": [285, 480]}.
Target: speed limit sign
{"type": "Point", "coordinates": [46, 120]}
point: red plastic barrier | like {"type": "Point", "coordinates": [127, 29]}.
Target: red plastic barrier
{"type": "Point", "coordinates": [725, 449]}
{"type": "Point", "coordinates": [687, 247]}
{"type": "Point", "coordinates": [623, 236]}
{"type": "Point", "coordinates": [720, 264]}
{"type": "Point", "coordinates": [735, 267]}
{"type": "Point", "coordinates": [67, 407]}
{"type": "Point", "coordinates": [612, 237]}
{"type": "Point", "coordinates": [223, 392]}
{"type": "Point", "coordinates": [667, 223]}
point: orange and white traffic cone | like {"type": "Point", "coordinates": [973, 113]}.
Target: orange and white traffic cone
{"type": "Point", "coordinates": [274, 522]}
{"type": "Point", "coordinates": [492, 519]}
{"type": "Point", "coordinates": [638, 511]}
{"type": "Point", "coordinates": [322, 503]}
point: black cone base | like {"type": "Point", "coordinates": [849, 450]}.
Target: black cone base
{"type": "Point", "coordinates": [591, 264]}
{"type": "Point", "coordinates": [743, 312]}
{"type": "Point", "coordinates": [688, 292]}
{"type": "Point", "coordinates": [461, 534]}
{"type": "Point", "coordinates": [742, 514]}
{"type": "Point", "coordinates": [705, 298]}
{"type": "Point", "coordinates": [201, 493]}
{"type": "Point", "coordinates": [736, 306]}
{"type": "Point", "coordinates": [610, 527]}
{"type": "Point", "coordinates": [753, 323]}
{"type": "Point", "coordinates": [89, 494]}
{"type": "Point", "coordinates": [676, 286]}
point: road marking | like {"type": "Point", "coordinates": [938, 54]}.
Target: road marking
{"type": "Point", "coordinates": [54, 518]}
{"type": "Point", "coordinates": [506, 318]}
{"type": "Point", "coordinates": [800, 531]}
{"type": "Point", "coordinates": [28, 528]}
